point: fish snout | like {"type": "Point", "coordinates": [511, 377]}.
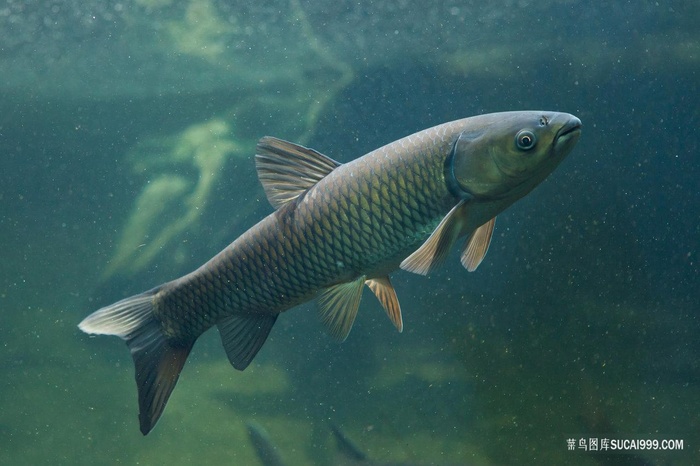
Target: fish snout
{"type": "Point", "coordinates": [570, 124]}
{"type": "Point", "coordinates": [568, 133]}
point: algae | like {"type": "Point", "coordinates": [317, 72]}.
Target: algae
{"type": "Point", "coordinates": [182, 169]}
{"type": "Point", "coordinates": [201, 32]}
{"type": "Point", "coordinates": [204, 148]}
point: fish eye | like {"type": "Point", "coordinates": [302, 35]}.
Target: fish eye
{"type": "Point", "coordinates": [525, 139]}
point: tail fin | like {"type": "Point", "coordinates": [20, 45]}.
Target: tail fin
{"type": "Point", "coordinates": [158, 361]}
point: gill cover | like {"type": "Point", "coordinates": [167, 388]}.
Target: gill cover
{"type": "Point", "coordinates": [496, 159]}
{"type": "Point", "coordinates": [454, 225]}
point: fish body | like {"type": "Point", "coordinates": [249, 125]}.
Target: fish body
{"type": "Point", "coordinates": [361, 219]}
{"type": "Point", "coordinates": [336, 228]}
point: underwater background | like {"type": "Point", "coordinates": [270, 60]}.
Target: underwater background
{"type": "Point", "coordinates": [127, 135]}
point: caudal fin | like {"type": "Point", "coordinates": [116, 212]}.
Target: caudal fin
{"type": "Point", "coordinates": [158, 361]}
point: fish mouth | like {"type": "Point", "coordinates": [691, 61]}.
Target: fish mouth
{"type": "Point", "coordinates": [570, 128]}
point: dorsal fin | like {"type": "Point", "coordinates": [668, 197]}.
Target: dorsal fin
{"type": "Point", "coordinates": [476, 246]}
{"type": "Point", "coordinates": [286, 170]}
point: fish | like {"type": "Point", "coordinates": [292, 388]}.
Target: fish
{"type": "Point", "coordinates": [347, 453]}
{"type": "Point", "coordinates": [262, 444]}
{"type": "Point", "coordinates": [336, 228]}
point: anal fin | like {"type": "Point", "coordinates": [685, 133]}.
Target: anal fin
{"type": "Point", "coordinates": [435, 249]}
{"type": "Point", "coordinates": [338, 307]}
{"type": "Point", "coordinates": [385, 293]}
{"type": "Point", "coordinates": [477, 245]}
{"type": "Point", "coordinates": [243, 335]}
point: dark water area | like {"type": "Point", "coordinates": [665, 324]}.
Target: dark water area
{"type": "Point", "coordinates": [127, 136]}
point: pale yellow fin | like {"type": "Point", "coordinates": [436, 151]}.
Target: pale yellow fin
{"type": "Point", "coordinates": [338, 307]}
{"type": "Point", "coordinates": [434, 251]}
{"type": "Point", "coordinates": [286, 170]}
{"type": "Point", "coordinates": [476, 246]}
{"type": "Point", "coordinates": [385, 293]}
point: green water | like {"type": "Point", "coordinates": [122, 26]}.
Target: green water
{"type": "Point", "coordinates": [126, 141]}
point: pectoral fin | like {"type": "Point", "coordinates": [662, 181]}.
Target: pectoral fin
{"type": "Point", "coordinates": [475, 247]}
{"type": "Point", "coordinates": [434, 251]}
{"type": "Point", "coordinates": [385, 293]}
{"type": "Point", "coordinates": [286, 170]}
{"type": "Point", "coordinates": [338, 307]}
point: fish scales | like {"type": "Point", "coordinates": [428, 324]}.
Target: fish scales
{"type": "Point", "coordinates": [330, 235]}
{"type": "Point", "coordinates": [337, 228]}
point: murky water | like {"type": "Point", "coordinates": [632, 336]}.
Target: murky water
{"type": "Point", "coordinates": [127, 136]}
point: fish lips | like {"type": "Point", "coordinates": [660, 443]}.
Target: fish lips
{"type": "Point", "coordinates": [569, 133]}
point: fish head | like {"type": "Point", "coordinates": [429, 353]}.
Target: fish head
{"type": "Point", "coordinates": [505, 155]}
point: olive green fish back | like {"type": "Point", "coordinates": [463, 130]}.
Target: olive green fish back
{"type": "Point", "coordinates": [365, 215]}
